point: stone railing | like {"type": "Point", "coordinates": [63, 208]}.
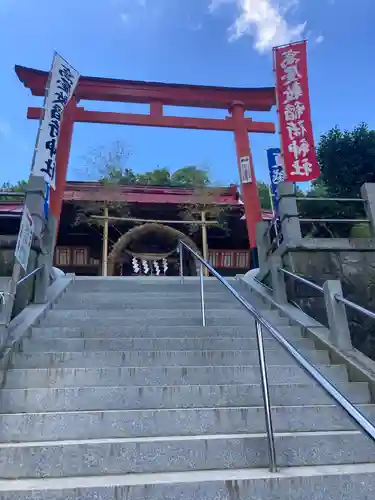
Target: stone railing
{"type": "Point", "coordinates": [18, 288]}
{"type": "Point", "coordinates": [349, 262]}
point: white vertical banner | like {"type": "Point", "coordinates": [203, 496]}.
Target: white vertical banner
{"type": "Point", "coordinates": [62, 82]}
{"type": "Point", "coordinates": [25, 238]}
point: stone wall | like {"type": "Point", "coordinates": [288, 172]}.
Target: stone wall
{"type": "Point", "coordinates": [25, 291]}
{"type": "Point", "coordinates": [354, 265]}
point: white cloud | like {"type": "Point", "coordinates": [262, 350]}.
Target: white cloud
{"type": "Point", "coordinates": [217, 3]}
{"type": "Point", "coordinates": [319, 39]}
{"type": "Point", "coordinates": [265, 21]}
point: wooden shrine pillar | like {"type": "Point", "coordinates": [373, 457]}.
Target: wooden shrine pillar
{"type": "Point", "coordinates": [105, 243]}
{"type": "Point", "coordinates": [250, 195]}
{"type": "Point", "coordinates": [62, 160]}
{"type": "Point", "coordinates": [204, 241]}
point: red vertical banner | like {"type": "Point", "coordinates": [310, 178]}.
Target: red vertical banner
{"type": "Point", "coordinates": [292, 89]}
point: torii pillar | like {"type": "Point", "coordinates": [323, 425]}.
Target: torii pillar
{"type": "Point", "coordinates": [250, 196]}
{"type": "Point", "coordinates": [62, 161]}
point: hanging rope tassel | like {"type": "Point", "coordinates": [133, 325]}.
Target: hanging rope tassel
{"type": "Point", "coordinates": [156, 267]}
{"type": "Point", "coordinates": [165, 265]}
{"type": "Point", "coordinates": [135, 264]}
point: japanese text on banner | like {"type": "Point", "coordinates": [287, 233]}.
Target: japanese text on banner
{"type": "Point", "coordinates": [294, 113]}
{"type": "Point", "coordinates": [63, 80]}
{"type": "Point", "coordinates": [276, 169]}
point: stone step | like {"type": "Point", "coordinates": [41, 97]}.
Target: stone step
{"type": "Point", "coordinates": [137, 285]}
{"type": "Point", "coordinates": [171, 375]}
{"type": "Point", "coordinates": [154, 315]}
{"type": "Point", "coordinates": [172, 300]}
{"type": "Point", "coordinates": [344, 482]}
{"type": "Point", "coordinates": [180, 453]}
{"type": "Point", "coordinates": [155, 331]}
{"type": "Point", "coordinates": [159, 358]}
{"type": "Point", "coordinates": [160, 317]}
{"type": "Point", "coordinates": [172, 397]}
{"type": "Point", "coordinates": [179, 422]}
{"type": "Point", "coordinates": [159, 344]}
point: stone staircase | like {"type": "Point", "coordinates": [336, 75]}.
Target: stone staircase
{"type": "Point", "coordinates": [121, 394]}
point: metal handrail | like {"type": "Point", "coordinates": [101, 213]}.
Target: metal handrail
{"type": "Point", "coordinates": [29, 275]}
{"type": "Point", "coordinates": [318, 198]}
{"type": "Point", "coordinates": [334, 221]}
{"type": "Point", "coordinates": [357, 416]}
{"type": "Point", "coordinates": [337, 296]}
{"type": "Point", "coordinates": [355, 306]}
{"type": "Point", "coordinates": [297, 277]}
{"type": "Point", "coordinates": [259, 322]}
{"type": "Point", "coordinates": [271, 291]}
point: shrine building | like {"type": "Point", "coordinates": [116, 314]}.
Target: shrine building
{"type": "Point", "coordinates": [134, 230]}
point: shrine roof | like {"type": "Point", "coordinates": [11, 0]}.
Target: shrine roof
{"type": "Point", "coordinates": [97, 192]}
{"type": "Point", "coordinates": [174, 94]}
{"type": "Point", "coordinates": [11, 207]}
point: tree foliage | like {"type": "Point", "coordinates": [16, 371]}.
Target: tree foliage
{"type": "Point", "coordinates": [264, 195]}
{"type": "Point", "coordinates": [19, 187]}
{"type": "Point", "coordinates": [347, 160]}
{"type": "Point", "coordinates": [109, 165]}
{"type": "Point", "coordinates": [188, 177]}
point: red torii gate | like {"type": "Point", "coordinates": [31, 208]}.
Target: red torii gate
{"type": "Point", "coordinates": [236, 100]}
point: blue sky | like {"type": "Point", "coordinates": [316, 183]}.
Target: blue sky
{"type": "Point", "coordinates": [208, 42]}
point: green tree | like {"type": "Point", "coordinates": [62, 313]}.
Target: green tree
{"type": "Point", "coordinates": [19, 187]}
{"type": "Point", "coordinates": [347, 160]}
{"type": "Point", "coordinates": [190, 176]}
{"type": "Point", "coordinates": [264, 195]}
{"type": "Point", "coordinates": [157, 177]}
{"type": "Point", "coordinates": [109, 166]}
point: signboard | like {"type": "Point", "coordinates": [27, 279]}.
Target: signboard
{"type": "Point", "coordinates": [25, 238]}
{"type": "Point", "coordinates": [276, 169]}
{"type": "Point", "coordinates": [293, 101]}
{"type": "Point", "coordinates": [245, 170]}
{"type": "Point", "coordinates": [63, 80]}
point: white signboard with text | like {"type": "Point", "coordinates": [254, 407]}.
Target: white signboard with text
{"type": "Point", "coordinates": [63, 80]}
{"type": "Point", "coordinates": [25, 238]}
{"type": "Point", "coordinates": [245, 170]}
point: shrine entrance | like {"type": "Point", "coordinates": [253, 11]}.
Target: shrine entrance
{"type": "Point", "coordinates": [159, 96]}
{"type": "Point", "coordinates": [150, 250]}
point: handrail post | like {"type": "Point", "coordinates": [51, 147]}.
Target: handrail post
{"type": "Point", "coordinates": [6, 302]}
{"type": "Point", "coordinates": [263, 244]}
{"type": "Point", "coordinates": [278, 280]}
{"type": "Point", "coordinates": [42, 280]}
{"type": "Point", "coordinates": [180, 250]}
{"type": "Point", "coordinates": [266, 398]}
{"type": "Point", "coordinates": [336, 315]}
{"type": "Point", "coordinates": [368, 195]}
{"type": "Point", "coordinates": [289, 217]}
{"type": "Point", "coordinates": [201, 280]}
